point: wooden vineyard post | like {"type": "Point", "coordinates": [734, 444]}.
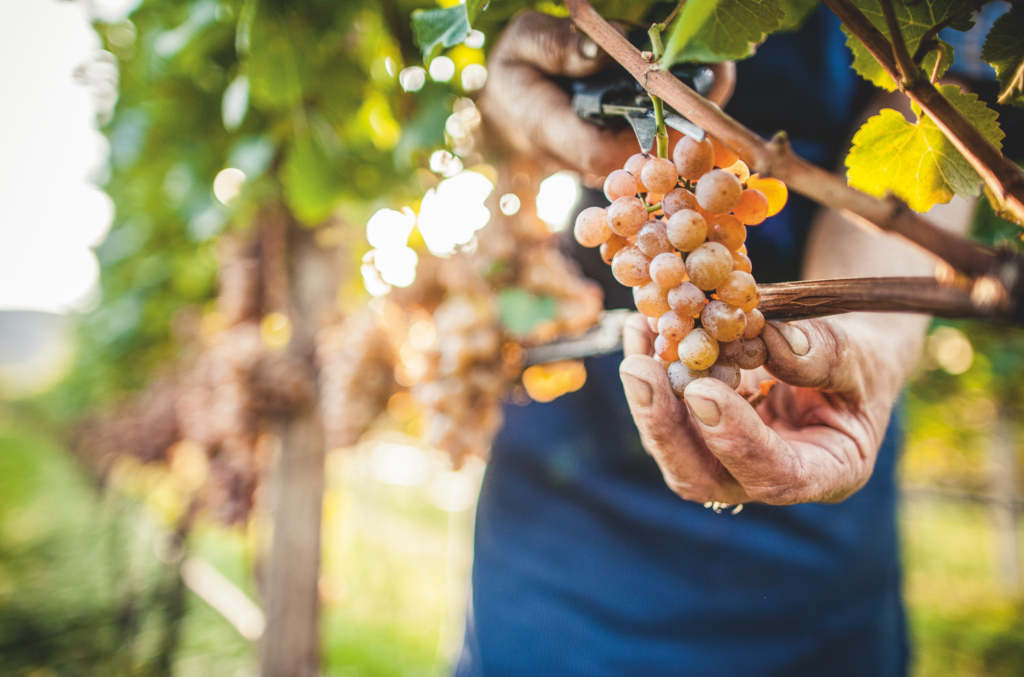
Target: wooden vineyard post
{"type": "Point", "coordinates": [291, 646]}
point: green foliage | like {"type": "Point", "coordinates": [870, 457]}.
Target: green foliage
{"type": "Point", "coordinates": [914, 18]}
{"type": "Point", "coordinates": [77, 597]}
{"type": "Point", "coordinates": [303, 97]}
{"type": "Point", "coordinates": [915, 160]}
{"type": "Point", "coordinates": [1004, 50]}
{"type": "Point", "coordinates": [720, 30]}
{"type": "Point", "coordinates": [437, 28]}
{"type": "Point", "coordinates": [521, 311]}
{"type": "Point", "coordinates": [796, 12]}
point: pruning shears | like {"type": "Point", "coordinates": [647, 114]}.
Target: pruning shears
{"type": "Point", "coordinates": [617, 96]}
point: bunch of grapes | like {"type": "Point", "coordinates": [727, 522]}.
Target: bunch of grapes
{"type": "Point", "coordinates": [688, 269]}
{"type": "Point", "coordinates": [459, 376]}
{"type": "Point", "coordinates": [460, 391]}
{"type": "Point", "coordinates": [356, 360]}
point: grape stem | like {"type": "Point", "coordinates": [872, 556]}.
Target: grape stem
{"type": "Point", "coordinates": [776, 158]}
{"type": "Point", "coordinates": [659, 106]}
{"type": "Point", "coordinates": [653, 208]}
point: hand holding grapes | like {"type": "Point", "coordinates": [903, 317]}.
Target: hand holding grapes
{"type": "Point", "coordinates": [814, 438]}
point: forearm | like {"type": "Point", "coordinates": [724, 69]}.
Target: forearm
{"type": "Point", "coordinates": [839, 247]}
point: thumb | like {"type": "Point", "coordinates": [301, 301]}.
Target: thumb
{"type": "Point", "coordinates": [551, 45]}
{"type": "Point", "coordinates": [761, 461]}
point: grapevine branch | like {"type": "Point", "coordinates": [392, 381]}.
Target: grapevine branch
{"type": "Point", "coordinates": [803, 301]}
{"type": "Point", "coordinates": [904, 62]}
{"type": "Point", "coordinates": [1001, 175]}
{"type": "Point", "coordinates": [775, 158]}
{"type": "Point", "coordinates": [819, 298]}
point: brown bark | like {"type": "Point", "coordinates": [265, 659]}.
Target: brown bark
{"type": "Point", "coordinates": [290, 645]}
{"type": "Point", "coordinates": [820, 298]}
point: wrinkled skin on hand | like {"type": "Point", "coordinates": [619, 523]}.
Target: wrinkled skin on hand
{"type": "Point", "coordinates": [529, 114]}
{"type": "Point", "coordinates": [814, 438]}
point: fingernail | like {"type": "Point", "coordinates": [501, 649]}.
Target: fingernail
{"type": "Point", "coordinates": [795, 337]}
{"type": "Point", "coordinates": [706, 411]}
{"type": "Point", "coordinates": [588, 48]}
{"type": "Point", "coordinates": [638, 392]}
{"type": "Point", "coordinates": [634, 341]}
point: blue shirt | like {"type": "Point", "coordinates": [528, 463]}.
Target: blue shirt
{"type": "Point", "coordinates": [587, 564]}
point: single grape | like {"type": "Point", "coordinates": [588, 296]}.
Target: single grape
{"type": "Point", "coordinates": [659, 175]}
{"type": "Point", "coordinates": [726, 372]}
{"type": "Point", "coordinates": [729, 351]}
{"type": "Point", "coordinates": [719, 191]}
{"type": "Point", "coordinates": [686, 230]}
{"type": "Point", "coordinates": [755, 323]}
{"type": "Point", "coordinates": [626, 215]}
{"type": "Point", "coordinates": [687, 299]}
{"type": "Point", "coordinates": [674, 327]}
{"type": "Point", "coordinates": [611, 247]}
{"type": "Point", "coordinates": [727, 231]}
{"type": "Point", "coordinates": [739, 169]}
{"type": "Point", "coordinates": [708, 216]}
{"type": "Point", "coordinates": [753, 207]}
{"type": "Point", "coordinates": [740, 261]}
{"type": "Point", "coordinates": [652, 322]}
{"type": "Point", "coordinates": [708, 264]}
{"type": "Point", "coordinates": [676, 200]}
{"type": "Point", "coordinates": [635, 163]}
{"type": "Point", "coordinates": [651, 300]}
{"type": "Point", "coordinates": [743, 249]}
{"type": "Point", "coordinates": [693, 159]}
{"type": "Point", "coordinates": [723, 156]}
{"type": "Point", "coordinates": [653, 240]}
{"type": "Point", "coordinates": [680, 376]}
{"type": "Point", "coordinates": [753, 353]}
{"type": "Point", "coordinates": [630, 267]}
{"type": "Point", "coordinates": [698, 350]}
{"type": "Point", "coordinates": [723, 321]}
{"type": "Point", "coordinates": [775, 192]}
{"type": "Point", "coordinates": [592, 227]}
{"type": "Point", "coordinates": [739, 289]}
{"type": "Point", "coordinates": [668, 270]}
{"type": "Point", "coordinates": [619, 183]}
{"type": "Point", "coordinates": [666, 349]}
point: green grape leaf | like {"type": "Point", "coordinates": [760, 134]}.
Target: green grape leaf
{"type": "Point", "coordinates": [474, 7]}
{"type": "Point", "coordinates": [915, 160]}
{"type": "Point", "coordinates": [436, 28]}
{"type": "Point", "coordinates": [1004, 50]}
{"type": "Point", "coordinates": [914, 18]}
{"type": "Point", "coordinates": [312, 186]}
{"type": "Point", "coordinates": [796, 12]}
{"type": "Point", "coordinates": [721, 30]}
{"type": "Point", "coordinates": [521, 311]}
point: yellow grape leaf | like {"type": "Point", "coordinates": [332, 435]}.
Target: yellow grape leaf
{"type": "Point", "coordinates": [915, 160]}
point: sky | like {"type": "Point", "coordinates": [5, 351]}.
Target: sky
{"type": "Point", "coordinates": [51, 154]}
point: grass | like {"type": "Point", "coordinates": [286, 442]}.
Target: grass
{"type": "Point", "coordinates": [83, 592]}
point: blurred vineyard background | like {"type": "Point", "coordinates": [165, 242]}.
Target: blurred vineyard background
{"type": "Point", "coordinates": [95, 578]}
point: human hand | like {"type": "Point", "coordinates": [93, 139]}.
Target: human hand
{"type": "Point", "coordinates": [814, 438]}
{"type": "Point", "coordinates": [523, 107]}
